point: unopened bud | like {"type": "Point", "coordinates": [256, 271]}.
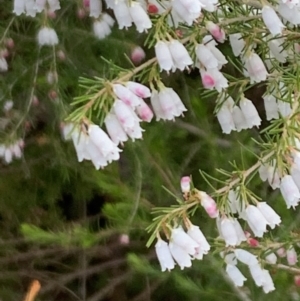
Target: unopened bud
{"type": "Point", "coordinates": [81, 13]}
{"type": "Point", "coordinates": [281, 252]}
{"type": "Point", "coordinates": [137, 55]}
{"type": "Point", "coordinates": [253, 242]}
{"type": "Point", "coordinates": [152, 9]}
{"type": "Point", "coordinates": [124, 239]}
{"type": "Point", "coordinates": [86, 3]}
{"type": "Point", "coordinates": [10, 43]}
{"type": "Point", "coordinates": [61, 55]}
{"type": "Point", "coordinates": [185, 184]}
{"type": "Point", "coordinates": [51, 14]}
{"type": "Point", "coordinates": [297, 280]}
{"type": "Point", "coordinates": [216, 31]}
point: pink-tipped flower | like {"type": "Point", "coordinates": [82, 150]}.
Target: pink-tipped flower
{"type": "Point", "coordinates": [138, 89]}
{"type": "Point", "coordinates": [144, 111]}
{"type": "Point", "coordinates": [208, 80]}
{"type": "Point", "coordinates": [291, 256]}
{"type": "Point", "coordinates": [185, 184]}
{"type": "Point", "coordinates": [208, 204]}
{"type": "Point", "coordinates": [216, 31]}
{"type": "Point", "coordinates": [126, 95]}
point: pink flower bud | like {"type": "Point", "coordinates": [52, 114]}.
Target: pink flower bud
{"type": "Point", "coordinates": [281, 252]}
{"type": "Point", "coordinates": [4, 52]}
{"type": "Point", "coordinates": [51, 14]}
{"type": "Point", "coordinates": [291, 256]}
{"type": "Point", "coordinates": [137, 55]}
{"type": "Point", "coordinates": [61, 55]}
{"type": "Point", "coordinates": [124, 239]}
{"type": "Point", "coordinates": [216, 31]}
{"type": "Point", "coordinates": [10, 43]}
{"type": "Point", "coordinates": [152, 9]}
{"type": "Point", "coordinates": [253, 242]}
{"type": "Point", "coordinates": [207, 80]}
{"type": "Point", "coordinates": [185, 184]}
{"type": "Point", "coordinates": [86, 3]}
{"type": "Point", "coordinates": [144, 112]}
{"type": "Point", "coordinates": [297, 280]}
{"type": "Point", "coordinates": [81, 13]}
{"type": "Point", "coordinates": [209, 204]}
{"type": "Point", "coordinates": [35, 101]}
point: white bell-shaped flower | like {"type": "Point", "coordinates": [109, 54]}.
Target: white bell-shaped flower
{"type": "Point", "coordinates": [239, 119]}
{"type": "Point", "coordinates": [271, 258]}
{"type": "Point", "coordinates": [122, 14]}
{"type": "Point", "coordinates": [182, 239]}
{"type": "Point", "coordinates": [19, 7]}
{"type": "Point", "coordinates": [289, 191]}
{"type": "Point", "coordinates": [237, 43]}
{"type": "Point", "coordinates": [108, 149]}
{"type": "Point", "coordinates": [228, 232]}
{"type": "Point", "coordinates": [268, 284]}
{"type": "Point", "coordinates": [164, 255]}
{"type": "Point", "coordinates": [245, 257]}
{"type": "Point", "coordinates": [47, 36]}
{"type": "Point", "coordinates": [180, 55]}
{"type": "Point", "coordinates": [270, 215]}
{"type": "Point", "coordinates": [196, 234]}
{"type": "Point", "coordinates": [271, 107]}
{"type": "Point", "coordinates": [115, 129]}
{"type": "Point", "coordinates": [284, 108]}
{"type": "Point", "coordinates": [277, 50]}
{"type": "Point", "coordinates": [139, 17]}
{"type": "Point", "coordinates": [95, 8]}
{"type": "Point", "coordinates": [181, 256]}
{"type": "Point", "coordinates": [206, 57]}
{"type": "Point", "coordinates": [225, 117]}
{"type": "Point", "coordinates": [271, 20]}
{"type": "Point", "coordinates": [235, 275]}
{"type": "Point", "coordinates": [256, 221]}
{"type": "Point", "coordinates": [102, 27]}
{"type": "Point", "coordinates": [163, 55]}
{"type": "Point", "coordinates": [250, 113]}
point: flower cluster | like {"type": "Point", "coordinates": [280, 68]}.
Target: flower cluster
{"type": "Point", "coordinates": [92, 144]}
{"type": "Point", "coordinates": [260, 276]}
{"type": "Point", "coordinates": [183, 247]}
{"type": "Point", "coordinates": [236, 118]}
{"type": "Point", "coordinates": [13, 150]}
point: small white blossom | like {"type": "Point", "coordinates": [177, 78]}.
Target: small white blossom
{"type": "Point", "coordinates": [180, 56]}
{"type": "Point", "coordinates": [250, 113]}
{"type": "Point", "coordinates": [237, 43]}
{"type": "Point", "coordinates": [270, 215]}
{"type": "Point", "coordinates": [139, 17]}
{"type": "Point", "coordinates": [257, 222]}
{"type": "Point", "coordinates": [245, 257]}
{"type": "Point", "coordinates": [289, 191]}
{"type": "Point", "coordinates": [196, 234]}
{"type": "Point", "coordinates": [235, 275]}
{"type": "Point", "coordinates": [271, 258]}
{"type": "Point", "coordinates": [271, 107]}
{"type": "Point", "coordinates": [180, 255]}
{"type": "Point", "coordinates": [255, 68]}
{"type": "Point", "coordinates": [95, 8]}
{"type": "Point", "coordinates": [163, 55]}
{"type": "Point", "coordinates": [182, 239]}
{"type": "Point", "coordinates": [47, 36]}
{"type": "Point", "coordinates": [271, 20]}
{"type": "Point", "coordinates": [164, 255]}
